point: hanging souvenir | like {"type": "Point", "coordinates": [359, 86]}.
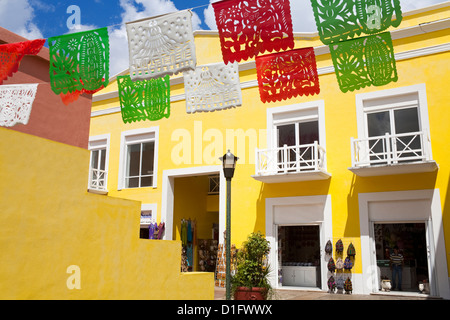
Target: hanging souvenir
{"type": "Point", "coordinates": [144, 100]}
{"type": "Point", "coordinates": [15, 103]}
{"type": "Point", "coordinates": [339, 20]}
{"type": "Point", "coordinates": [79, 63]}
{"type": "Point", "coordinates": [162, 45]}
{"type": "Point", "coordinates": [287, 74]}
{"type": "Point", "coordinates": [212, 87]}
{"type": "Point", "coordinates": [249, 27]}
{"type": "Point", "coordinates": [12, 53]}
{"type": "Point", "coordinates": [364, 61]}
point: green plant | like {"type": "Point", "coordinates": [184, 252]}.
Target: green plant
{"type": "Point", "coordinates": [252, 269]}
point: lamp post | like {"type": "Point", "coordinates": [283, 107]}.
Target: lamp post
{"type": "Point", "coordinates": [229, 163]}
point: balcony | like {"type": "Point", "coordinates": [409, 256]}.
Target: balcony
{"type": "Point", "coordinates": [291, 163]}
{"type": "Point", "coordinates": [97, 181]}
{"type": "Point", "coordinates": [392, 154]}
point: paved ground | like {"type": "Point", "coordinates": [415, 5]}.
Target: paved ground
{"type": "Point", "coordinates": [219, 294]}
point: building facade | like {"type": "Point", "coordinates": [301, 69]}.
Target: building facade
{"type": "Point", "coordinates": [368, 167]}
{"type": "Point", "coordinates": [59, 241]}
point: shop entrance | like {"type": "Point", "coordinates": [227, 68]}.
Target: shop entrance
{"type": "Point", "coordinates": [411, 240]}
{"type": "Point", "coordinates": [196, 221]}
{"type": "Point", "coordinates": [299, 255]}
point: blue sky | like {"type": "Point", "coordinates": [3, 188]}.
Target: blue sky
{"type": "Point", "coordinates": [46, 18]}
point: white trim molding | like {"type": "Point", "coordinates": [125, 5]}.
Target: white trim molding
{"type": "Point", "coordinates": [430, 200]}
{"type": "Point", "coordinates": [267, 165]}
{"type": "Point", "coordinates": [168, 195]}
{"type": "Point", "coordinates": [153, 207]}
{"type": "Point", "coordinates": [384, 100]}
{"type": "Point", "coordinates": [95, 143]}
{"type": "Point", "coordinates": [278, 211]}
{"type": "Point", "coordinates": [150, 134]}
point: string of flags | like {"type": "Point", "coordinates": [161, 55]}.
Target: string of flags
{"type": "Point", "coordinates": [159, 47]}
{"type": "Point", "coordinates": [79, 63]}
{"type": "Point", "coordinates": [144, 99]}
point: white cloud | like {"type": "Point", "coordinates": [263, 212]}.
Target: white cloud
{"type": "Point", "coordinates": [302, 16]}
{"type": "Point", "coordinates": [17, 16]}
{"type": "Point", "coordinates": [118, 47]}
{"type": "Point", "coordinates": [210, 19]}
{"type": "Point", "coordinates": [408, 5]}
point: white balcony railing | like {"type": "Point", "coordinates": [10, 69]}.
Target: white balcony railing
{"type": "Point", "coordinates": [290, 159]}
{"type": "Point", "coordinates": [390, 149]}
{"type": "Point", "coordinates": [97, 179]}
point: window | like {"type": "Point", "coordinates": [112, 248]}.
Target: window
{"type": "Point", "coordinates": [301, 136]}
{"type": "Point", "coordinates": [296, 134]}
{"type": "Point", "coordinates": [138, 164]}
{"type": "Point", "coordinates": [392, 127]}
{"type": "Point", "coordinates": [98, 169]}
{"type": "Point", "coordinates": [140, 161]}
{"type": "Point", "coordinates": [214, 184]}
{"type": "Point", "coordinates": [401, 123]}
{"type": "Point", "coordinates": [147, 221]}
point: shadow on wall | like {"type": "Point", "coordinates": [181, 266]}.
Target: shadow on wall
{"type": "Point", "coordinates": [446, 221]}
{"type": "Point", "coordinates": [291, 189]}
{"type": "Point", "coordinates": [418, 181]}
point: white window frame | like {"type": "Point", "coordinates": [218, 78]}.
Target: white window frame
{"type": "Point", "coordinates": [97, 143]}
{"type": "Point", "coordinates": [280, 211]}
{"type": "Point", "coordinates": [302, 112]}
{"type": "Point", "coordinates": [135, 136]}
{"type": "Point", "coordinates": [150, 207]}
{"type": "Point", "coordinates": [419, 89]}
{"type": "Point", "coordinates": [215, 181]}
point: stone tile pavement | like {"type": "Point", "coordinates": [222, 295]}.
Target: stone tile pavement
{"type": "Point", "coordinates": [284, 294]}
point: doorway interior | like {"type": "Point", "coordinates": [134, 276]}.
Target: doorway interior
{"type": "Point", "coordinates": [299, 256]}
{"type": "Point", "coordinates": [411, 240]}
{"type": "Point", "coordinates": [196, 220]}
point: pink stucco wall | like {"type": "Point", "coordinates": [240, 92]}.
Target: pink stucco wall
{"type": "Point", "coordinates": [49, 118]}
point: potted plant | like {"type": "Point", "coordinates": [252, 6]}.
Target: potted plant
{"type": "Point", "coordinates": [250, 282]}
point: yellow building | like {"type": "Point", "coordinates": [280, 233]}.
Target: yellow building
{"type": "Point", "coordinates": [369, 167]}
{"type": "Point", "coordinates": [59, 241]}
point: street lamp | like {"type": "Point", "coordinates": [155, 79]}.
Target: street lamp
{"type": "Point", "coordinates": [229, 163]}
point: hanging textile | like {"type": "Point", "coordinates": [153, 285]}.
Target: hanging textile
{"type": "Point", "coordinates": [287, 74]}
{"type": "Point", "coordinates": [12, 53]}
{"type": "Point", "coordinates": [15, 103]}
{"type": "Point", "coordinates": [159, 233]}
{"type": "Point", "coordinates": [144, 100]}
{"type": "Point", "coordinates": [152, 227]}
{"type": "Point", "coordinates": [162, 45]}
{"type": "Point", "coordinates": [183, 232]}
{"type": "Point", "coordinates": [339, 20]}
{"type": "Point", "coordinates": [189, 231]}
{"type": "Point", "coordinates": [364, 61]}
{"type": "Point", "coordinates": [212, 87]}
{"type": "Point", "coordinates": [79, 63]}
{"type": "Point", "coordinates": [249, 27]}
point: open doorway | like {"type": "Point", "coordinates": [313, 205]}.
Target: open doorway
{"type": "Point", "coordinates": [411, 241]}
{"type": "Point", "coordinates": [196, 220]}
{"type": "Point", "coordinates": [299, 255]}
